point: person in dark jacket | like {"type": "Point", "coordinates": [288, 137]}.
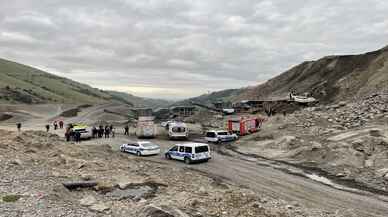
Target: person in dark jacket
{"type": "Point", "coordinates": [61, 124]}
{"type": "Point", "coordinates": [77, 136]}
{"type": "Point", "coordinates": [94, 132]}
{"type": "Point", "coordinates": [47, 127]}
{"type": "Point", "coordinates": [107, 131]}
{"type": "Point", "coordinates": [126, 130]}
{"type": "Point", "coordinates": [55, 125]}
{"type": "Point", "coordinates": [19, 126]}
{"type": "Point", "coordinates": [100, 131]}
{"type": "Point", "coordinates": [68, 134]}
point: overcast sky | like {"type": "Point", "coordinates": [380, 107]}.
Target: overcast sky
{"type": "Point", "coordinates": [182, 48]}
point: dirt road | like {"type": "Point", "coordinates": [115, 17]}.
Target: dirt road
{"type": "Point", "coordinates": [271, 181]}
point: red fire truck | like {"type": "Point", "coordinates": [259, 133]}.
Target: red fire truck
{"type": "Point", "coordinates": [244, 125]}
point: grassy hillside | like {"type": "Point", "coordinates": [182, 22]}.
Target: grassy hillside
{"type": "Point", "coordinates": [23, 84]}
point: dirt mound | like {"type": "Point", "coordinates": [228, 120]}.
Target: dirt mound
{"type": "Point", "coordinates": [4, 117]}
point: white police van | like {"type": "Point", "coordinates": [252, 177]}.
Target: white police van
{"type": "Point", "coordinates": [189, 152]}
{"type": "Point", "coordinates": [177, 130]}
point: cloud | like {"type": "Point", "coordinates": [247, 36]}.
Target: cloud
{"type": "Point", "coordinates": [181, 48]}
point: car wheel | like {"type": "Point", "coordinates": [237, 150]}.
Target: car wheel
{"type": "Point", "coordinates": [122, 149]}
{"type": "Point", "coordinates": [138, 153]}
{"type": "Point", "coordinates": [187, 160]}
{"type": "Point", "coordinates": [168, 156]}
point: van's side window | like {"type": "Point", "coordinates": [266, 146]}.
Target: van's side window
{"type": "Point", "coordinates": [175, 148]}
{"type": "Point", "coordinates": [201, 149]}
{"type": "Point", "coordinates": [188, 150]}
{"type": "Point", "coordinates": [181, 149]}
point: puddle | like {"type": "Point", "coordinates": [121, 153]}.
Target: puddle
{"type": "Point", "coordinates": [328, 182]}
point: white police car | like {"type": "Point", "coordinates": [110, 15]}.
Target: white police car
{"type": "Point", "coordinates": [220, 136]}
{"type": "Point", "coordinates": [189, 152]}
{"type": "Point", "coordinates": [141, 148]}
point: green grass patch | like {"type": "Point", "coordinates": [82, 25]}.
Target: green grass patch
{"type": "Point", "coordinates": [11, 198]}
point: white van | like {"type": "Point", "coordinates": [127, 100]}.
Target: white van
{"type": "Point", "coordinates": [178, 130]}
{"type": "Point", "coordinates": [145, 127]}
{"type": "Point", "coordinates": [189, 152]}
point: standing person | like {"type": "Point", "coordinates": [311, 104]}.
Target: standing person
{"type": "Point", "coordinates": [126, 130]}
{"type": "Point", "coordinates": [94, 132]}
{"type": "Point", "coordinates": [55, 125]}
{"type": "Point", "coordinates": [61, 124]}
{"type": "Point", "coordinates": [77, 136]}
{"type": "Point", "coordinates": [68, 134]}
{"type": "Point", "coordinates": [107, 131]}
{"type": "Point", "coordinates": [113, 132]}
{"type": "Point", "coordinates": [47, 127]}
{"type": "Point", "coordinates": [19, 127]}
{"type": "Point", "coordinates": [100, 131]}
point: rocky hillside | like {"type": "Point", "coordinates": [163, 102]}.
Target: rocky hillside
{"type": "Point", "coordinates": [329, 79]}
{"type": "Point", "coordinates": [208, 99]}
{"type": "Point", "coordinates": [23, 84]}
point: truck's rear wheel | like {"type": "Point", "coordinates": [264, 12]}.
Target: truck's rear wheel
{"type": "Point", "coordinates": [187, 160]}
{"type": "Point", "coordinates": [138, 153]}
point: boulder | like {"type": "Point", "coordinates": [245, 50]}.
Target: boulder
{"type": "Point", "coordinates": [386, 177]}
{"type": "Point", "coordinates": [155, 211]}
{"type": "Point", "coordinates": [88, 201]}
{"type": "Point", "coordinates": [342, 104]}
{"type": "Point", "coordinates": [375, 132]}
{"type": "Point", "coordinates": [315, 145]}
{"type": "Point", "coordinates": [369, 163]}
{"type": "Point", "coordinates": [382, 172]}
{"type": "Point", "coordinates": [99, 207]}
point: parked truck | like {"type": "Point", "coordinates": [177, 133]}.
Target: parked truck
{"type": "Point", "coordinates": [146, 127]}
{"type": "Point", "coordinates": [244, 125]}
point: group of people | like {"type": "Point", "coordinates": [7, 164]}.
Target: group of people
{"type": "Point", "coordinates": [102, 131]}
{"type": "Point", "coordinates": [72, 134]}
{"type": "Point", "coordinates": [56, 125]}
